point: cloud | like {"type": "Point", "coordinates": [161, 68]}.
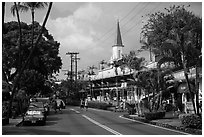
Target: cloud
{"type": "Point", "coordinates": [76, 29]}
{"type": "Point", "coordinates": [76, 33]}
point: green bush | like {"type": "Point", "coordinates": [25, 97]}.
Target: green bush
{"type": "Point", "coordinates": [154, 115]}
{"type": "Point", "coordinates": [99, 105]}
{"type": "Point", "coordinates": [191, 120]}
{"type": "Point", "coordinates": [168, 107]}
{"type": "Point", "coordinates": [73, 102]}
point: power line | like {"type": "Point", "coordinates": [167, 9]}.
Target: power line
{"type": "Point", "coordinates": [136, 14]}
{"type": "Point", "coordinates": [112, 29]}
{"type": "Point", "coordinates": [128, 21]}
{"type": "Point", "coordinates": [130, 29]}
{"type": "Point", "coordinates": [130, 12]}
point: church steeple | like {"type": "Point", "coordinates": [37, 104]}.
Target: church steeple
{"type": "Point", "coordinates": [118, 47]}
{"type": "Point", "coordinates": [118, 37]}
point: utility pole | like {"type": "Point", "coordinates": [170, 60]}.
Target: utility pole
{"type": "Point", "coordinates": [76, 59]}
{"type": "Point", "coordinates": [71, 73]}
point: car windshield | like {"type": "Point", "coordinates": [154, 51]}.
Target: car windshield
{"type": "Point", "coordinates": [44, 100]}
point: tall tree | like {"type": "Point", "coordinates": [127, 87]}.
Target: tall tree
{"type": "Point", "coordinates": [3, 14]}
{"type": "Point", "coordinates": [46, 58]}
{"type": "Point", "coordinates": [30, 56]}
{"type": "Point", "coordinates": [173, 33]}
{"type": "Point", "coordinates": [15, 11]}
{"type": "Point", "coordinates": [135, 65]}
{"type": "Point", "coordinates": [133, 62]}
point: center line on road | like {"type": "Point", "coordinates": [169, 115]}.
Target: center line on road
{"type": "Point", "coordinates": [101, 125]}
{"type": "Point", "coordinates": [75, 110]}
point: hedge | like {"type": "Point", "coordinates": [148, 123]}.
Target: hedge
{"type": "Point", "coordinates": [154, 115]}
{"type": "Point", "coordinates": [73, 102]}
{"type": "Point", "coordinates": [191, 120]}
{"type": "Point", "coordinates": [99, 105]}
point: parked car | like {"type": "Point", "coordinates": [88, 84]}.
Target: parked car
{"type": "Point", "coordinates": [38, 105]}
{"type": "Point", "coordinates": [35, 114]}
{"type": "Point", "coordinates": [46, 103]}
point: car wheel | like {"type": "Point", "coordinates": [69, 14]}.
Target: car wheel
{"type": "Point", "coordinates": [43, 122]}
{"type": "Point", "coordinates": [25, 123]}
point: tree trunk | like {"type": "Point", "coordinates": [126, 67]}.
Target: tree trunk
{"type": "Point", "coordinates": [149, 103]}
{"type": "Point", "coordinates": [20, 37]}
{"type": "Point", "coordinates": [19, 63]}
{"type": "Point", "coordinates": [32, 38]}
{"type": "Point", "coordinates": [197, 80]}
{"type": "Point", "coordinates": [184, 62]}
{"type": "Point", "coordinates": [3, 14]}
{"type": "Point", "coordinates": [197, 90]}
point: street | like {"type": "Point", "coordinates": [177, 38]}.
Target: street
{"type": "Point", "coordinates": [74, 121]}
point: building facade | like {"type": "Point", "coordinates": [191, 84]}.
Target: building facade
{"type": "Point", "coordinates": [116, 84]}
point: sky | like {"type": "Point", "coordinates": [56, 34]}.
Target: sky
{"type": "Point", "coordinates": [89, 28]}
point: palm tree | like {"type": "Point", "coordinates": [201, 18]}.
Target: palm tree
{"type": "Point", "coordinates": [30, 55]}
{"type": "Point", "coordinates": [102, 67]}
{"type": "Point", "coordinates": [81, 74]}
{"type": "Point", "coordinates": [173, 35]}
{"type": "Point", "coordinates": [91, 72]}
{"type": "Point", "coordinates": [32, 6]}
{"type": "Point", "coordinates": [180, 42]}
{"type": "Point", "coordinates": [15, 11]}
{"type": "Point", "coordinates": [3, 13]}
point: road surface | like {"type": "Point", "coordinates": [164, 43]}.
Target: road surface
{"type": "Point", "coordinates": [74, 121]}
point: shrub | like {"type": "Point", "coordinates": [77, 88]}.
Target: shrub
{"type": "Point", "coordinates": [154, 115]}
{"type": "Point", "coordinates": [99, 105]}
{"type": "Point", "coordinates": [191, 120]}
{"type": "Point", "coordinates": [73, 102]}
{"type": "Point", "coordinates": [168, 107]}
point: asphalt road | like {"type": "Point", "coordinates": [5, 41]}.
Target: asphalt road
{"type": "Point", "coordinates": [74, 121]}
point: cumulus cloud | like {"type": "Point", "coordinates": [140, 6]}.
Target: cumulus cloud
{"type": "Point", "coordinates": [76, 30]}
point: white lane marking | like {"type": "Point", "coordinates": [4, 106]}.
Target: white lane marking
{"type": "Point", "coordinates": [100, 110]}
{"type": "Point", "coordinates": [101, 125]}
{"type": "Point", "coordinates": [154, 125]}
{"type": "Point", "coordinates": [74, 110]}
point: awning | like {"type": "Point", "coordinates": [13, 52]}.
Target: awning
{"type": "Point", "coordinates": [183, 88]}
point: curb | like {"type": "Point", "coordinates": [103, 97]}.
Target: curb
{"type": "Point", "coordinates": [18, 124]}
{"type": "Point", "coordinates": [183, 129]}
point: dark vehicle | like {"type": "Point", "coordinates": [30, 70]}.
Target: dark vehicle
{"type": "Point", "coordinates": [5, 102]}
{"type": "Point", "coordinates": [35, 114]}
{"type": "Point", "coordinates": [46, 103]}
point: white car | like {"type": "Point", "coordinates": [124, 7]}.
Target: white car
{"type": "Point", "coordinates": [34, 115]}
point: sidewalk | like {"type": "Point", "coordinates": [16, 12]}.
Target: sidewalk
{"type": "Point", "coordinates": [14, 122]}
{"type": "Point", "coordinates": [169, 121]}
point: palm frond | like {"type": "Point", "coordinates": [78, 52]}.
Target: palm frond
{"type": "Point", "coordinates": [35, 5]}
{"type": "Point", "coordinates": [13, 10]}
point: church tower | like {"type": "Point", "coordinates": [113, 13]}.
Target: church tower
{"type": "Point", "coordinates": [117, 48]}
